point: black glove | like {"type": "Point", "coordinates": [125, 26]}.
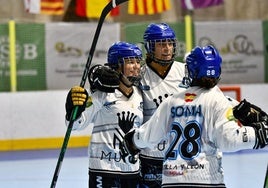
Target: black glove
{"type": "Point", "coordinates": [103, 79]}
{"type": "Point", "coordinates": [129, 145]}
{"type": "Point", "coordinates": [261, 129]}
{"type": "Point", "coordinates": [128, 149]}
{"type": "Point", "coordinates": [253, 116]}
{"type": "Point", "coordinates": [77, 96]}
{"type": "Point", "coordinates": [248, 113]}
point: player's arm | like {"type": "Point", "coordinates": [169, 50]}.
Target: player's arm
{"type": "Point", "coordinates": [130, 146]}
{"type": "Point", "coordinates": [253, 116]}
{"type": "Point", "coordinates": [149, 134]}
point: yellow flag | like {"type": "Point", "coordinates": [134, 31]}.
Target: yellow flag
{"type": "Point", "coordinates": [95, 7]}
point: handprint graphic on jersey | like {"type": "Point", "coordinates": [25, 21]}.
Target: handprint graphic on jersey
{"type": "Point", "coordinates": [126, 120]}
{"type": "Point", "coordinates": [160, 100]}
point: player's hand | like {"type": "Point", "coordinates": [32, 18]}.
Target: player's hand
{"type": "Point", "coordinates": [103, 79]}
{"type": "Point", "coordinates": [253, 116]}
{"type": "Point", "coordinates": [77, 96]}
{"type": "Point", "coordinates": [261, 129]}
{"type": "Point", "coordinates": [248, 113]}
{"type": "Point", "coordinates": [128, 149]}
{"type": "Point", "coordinates": [128, 143]}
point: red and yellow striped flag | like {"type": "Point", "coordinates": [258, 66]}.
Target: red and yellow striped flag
{"type": "Point", "coordinates": [148, 7]}
{"type": "Point", "coordinates": [49, 7]}
{"type": "Point", "coordinates": [52, 7]}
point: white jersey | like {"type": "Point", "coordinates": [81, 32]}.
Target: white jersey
{"type": "Point", "coordinates": [154, 91]}
{"type": "Point", "coordinates": [198, 125]}
{"type": "Point", "coordinates": [107, 111]}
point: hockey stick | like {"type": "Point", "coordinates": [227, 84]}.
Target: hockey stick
{"type": "Point", "coordinates": [266, 179]}
{"type": "Point", "coordinates": [112, 4]}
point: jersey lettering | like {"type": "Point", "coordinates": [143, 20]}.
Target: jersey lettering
{"type": "Point", "coordinates": [99, 181]}
{"type": "Point", "coordinates": [112, 155]}
{"type": "Point", "coordinates": [186, 111]}
{"type": "Point", "coordinates": [162, 145]}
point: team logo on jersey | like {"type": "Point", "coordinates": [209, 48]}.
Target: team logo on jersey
{"type": "Point", "coordinates": [189, 97]}
{"type": "Point", "coordinates": [126, 120]}
{"type": "Point", "coordinates": [229, 115]}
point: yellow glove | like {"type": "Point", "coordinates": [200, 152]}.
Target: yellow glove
{"type": "Point", "coordinates": [77, 96]}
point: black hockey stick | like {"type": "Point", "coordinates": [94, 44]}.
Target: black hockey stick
{"type": "Point", "coordinates": [266, 179]}
{"type": "Point", "coordinates": [112, 4]}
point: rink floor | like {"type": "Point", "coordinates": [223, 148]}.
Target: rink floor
{"type": "Point", "coordinates": [35, 169]}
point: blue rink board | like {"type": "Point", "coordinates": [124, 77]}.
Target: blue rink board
{"type": "Point", "coordinates": [32, 169]}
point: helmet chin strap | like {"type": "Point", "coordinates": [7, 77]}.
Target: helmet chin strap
{"type": "Point", "coordinates": [159, 61]}
{"type": "Point", "coordinates": [129, 80]}
{"type": "Point", "coordinates": [163, 62]}
{"type": "Point", "coordinates": [135, 80]}
{"type": "Point", "coordinates": [125, 86]}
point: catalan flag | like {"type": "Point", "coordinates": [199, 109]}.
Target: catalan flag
{"type": "Point", "coordinates": [93, 8]}
{"type": "Point", "coordinates": [48, 7]}
{"type": "Point", "coordinates": [148, 7]}
{"type": "Point", "coordinates": [196, 4]}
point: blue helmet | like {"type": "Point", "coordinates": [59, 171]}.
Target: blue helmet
{"type": "Point", "coordinates": [120, 50]}
{"type": "Point", "coordinates": [204, 62]}
{"type": "Point", "coordinates": [157, 33]}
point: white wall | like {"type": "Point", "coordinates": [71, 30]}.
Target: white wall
{"type": "Point", "coordinates": [41, 113]}
{"type": "Point", "coordinates": [33, 115]}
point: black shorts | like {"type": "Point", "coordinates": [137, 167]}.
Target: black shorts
{"type": "Point", "coordinates": [151, 172]}
{"type": "Point", "coordinates": [106, 181]}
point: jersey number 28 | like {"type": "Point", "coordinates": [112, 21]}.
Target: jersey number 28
{"type": "Point", "coordinates": [187, 140]}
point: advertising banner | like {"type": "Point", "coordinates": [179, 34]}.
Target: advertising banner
{"type": "Point", "coordinates": [67, 49]}
{"type": "Point", "coordinates": [265, 38]}
{"type": "Point", "coordinates": [4, 58]}
{"type": "Point", "coordinates": [240, 44]}
{"type": "Point", "coordinates": [30, 62]}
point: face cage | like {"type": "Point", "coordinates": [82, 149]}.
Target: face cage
{"type": "Point", "coordinates": [135, 80]}
{"type": "Point", "coordinates": [151, 50]}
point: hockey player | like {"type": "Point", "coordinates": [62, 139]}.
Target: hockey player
{"type": "Point", "coordinates": [161, 72]}
{"type": "Point", "coordinates": [112, 112]}
{"type": "Point", "coordinates": [161, 76]}
{"type": "Point", "coordinates": [160, 79]}
{"type": "Point", "coordinates": [198, 124]}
